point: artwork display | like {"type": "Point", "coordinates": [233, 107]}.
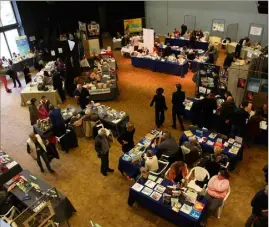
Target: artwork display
{"type": "Point", "coordinates": [255, 31]}
{"type": "Point", "coordinates": [133, 25]}
{"type": "Point", "coordinates": [253, 84]}
{"type": "Point", "coordinates": [93, 29]}
{"type": "Point", "coordinates": [83, 30]}
{"type": "Point", "coordinates": [23, 45]}
{"type": "Point", "coordinates": [218, 26]}
{"type": "Point", "coordinates": [241, 83]}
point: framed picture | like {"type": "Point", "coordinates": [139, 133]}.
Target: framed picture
{"type": "Point", "coordinates": [250, 96]}
{"type": "Point", "coordinates": [253, 84]}
{"type": "Point", "coordinates": [41, 217]}
{"type": "Point", "coordinates": [241, 83]}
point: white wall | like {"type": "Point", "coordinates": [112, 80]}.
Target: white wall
{"type": "Point", "coordinates": [164, 16]}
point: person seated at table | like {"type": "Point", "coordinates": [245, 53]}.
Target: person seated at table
{"type": "Point", "coordinates": [42, 112]}
{"type": "Point", "coordinates": [57, 121]}
{"type": "Point", "coordinates": [196, 113]}
{"type": "Point", "coordinates": [126, 139]}
{"type": "Point", "coordinates": [183, 29]}
{"type": "Point", "coordinates": [187, 35]}
{"type": "Point", "coordinates": [230, 58]}
{"type": "Point", "coordinates": [209, 105]}
{"type": "Point", "coordinates": [226, 113]}
{"type": "Point", "coordinates": [94, 76]}
{"type": "Point", "coordinates": [33, 110]}
{"type": "Point", "coordinates": [151, 162]}
{"type": "Point", "coordinates": [191, 55]}
{"type": "Point", "coordinates": [82, 95]}
{"type": "Point", "coordinates": [178, 171]}
{"type": "Point", "coordinates": [167, 50]}
{"type": "Point", "coordinates": [184, 51]}
{"type": "Point", "coordinates": [176, 32]}
{"type": "Point", "coordinates": [239, 120]}
{"type": "Point", "coordinates": [168, 146]}
{"type": "Point", "coordinates": [218, 187]}
{"type": "Point", "coordinates": [194, 151]}
{"type": "Point", "coordinates": [199, 34]}
{"type": "Point", "coordinates": [84, 64]}
{"type": "Point", "coordinates": [27, 74]}
{"type": "Point", "coordinates": [47, 80]}
{"type": "Point", "coordinates": [45, 102]}
{"type": "Point", "coordinates": [37, 149]}
{"type": "Point", "coordinates": [257, 46]}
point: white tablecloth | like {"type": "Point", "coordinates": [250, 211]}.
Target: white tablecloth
{"type": "Point", "coordinates": [31, 92]}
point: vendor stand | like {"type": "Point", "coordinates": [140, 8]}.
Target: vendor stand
{"type": "Point", "coordinates": [208, 140]}
{"type": "Point", "coordinates": [185, 42]}
{"type": "Point", "coordinates": [182, 206]}
{"type": "Point", "coordinates": [230, 48]}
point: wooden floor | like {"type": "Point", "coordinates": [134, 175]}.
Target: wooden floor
{"type": "Point", "coordinates": [104, 199]}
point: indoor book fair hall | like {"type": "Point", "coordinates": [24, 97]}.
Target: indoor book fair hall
{"type": "Point", "coordinates": [146, 114]}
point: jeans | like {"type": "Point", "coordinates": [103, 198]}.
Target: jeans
{"type": "Point", "coordinates": [15, 78]}
{"type": "Point", "coordinates": [176, 113]}
{"type": "Point", "coordinates": [212, 206]}
{"type": "Point", "coordinates": [104, 163]}
{"type": "Point", "coordinates": [159, 117]}
{"type": "Point", "coordinates": [44, 156]}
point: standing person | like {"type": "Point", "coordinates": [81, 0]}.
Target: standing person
{"type": "Point", "coordinates": [160, 107]}
{"type": "Point", "coordinates": [42, 112]}
{"type": "Point", "coordinates": [259, 207]}
{"type": "Point", "coordinates": [196, 113]}
{"type": "Point", "coordinates": [82, 95]}
{"type": "Point", "coordinates": [33, 110]}
{"type": "Point", "coordinates": [126, 139]}
{"type": "Point", "coordinates": [239, 120]}
{"type": "Point", "coordinates": [218, 187]}
{"type": "Point", "coordinates": [183, 29]}
{"type": "Point", "coordinates": [167, 50]}
{"type": "Point", "coordinates": [27, 74]}
{"type": "Point", "coordinates": [241, 43]}
{"type": "Point", "coordinates": [135, 42]}
{"type": "Point", "coordinates": [209, 105]}
{"type": "Point", "coordinates": [57, 121]}
{"type": "Point", "coordinates": [13, 74]}
{"type": "Point", "coordinates": [102, 145]}
{"type": "Point", "coordinates": [3, 77]}
{"type": "Point", "coordinates": [45, 102]}
{"type": "Point", "coordinates": [58, 84]}
{"type": "Point", "coordinates": [37, 149]}
{"type": "Point", "coordinates": [230, 58]}
{"type": "Point", "coordinates": [178, 108]}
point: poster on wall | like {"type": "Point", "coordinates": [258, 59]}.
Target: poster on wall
{"type": "Point", "coordinates": [133, 25]}
{"type": "Point", "coordinates": [241, 83]}
{"type": "Point", "coordinates": [255, 31]}
{"type": "Point", "coordinates": [93, 29]}
{"type": "Point", "coordinates": [253, 84]}
{"type": "Point", "coordinates": [264, 85]}
{"type": "Point", "coordinates": [83, 30]}
{"type": "Point", "coordinates": [218, 27]}
{"type": "Point", "coordinates": [23, 45]}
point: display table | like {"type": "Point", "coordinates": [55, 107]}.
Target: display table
{"type": "Point", "coordinates": [185, 42]}
{"type": "Point", "coordinates": [196, 64]}
{"type": "Point", "coordinates": [31, 92]}
{"type": "Point", "coordinates": [158, 207]}
{"type": "Point", "coordinates": [230, 48]}
{"type": "Point", "coordinates": [177, 50]}
{"type": "Point", "coordinates": [116, 44]}
{"type": "Point", "coordinates": [161, 66]}
{"type": "Point", "coordinates": [126, 164]}
{"type": "Point", "coordinates": [234, 158]}
{"type": "Point", "coordinates": [10, 170]}
{"type": "Point", "coordinates": [126, 51]}
{"type": "Point", "coordinates": [62, 206]}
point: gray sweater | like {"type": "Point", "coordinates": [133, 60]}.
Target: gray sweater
{"type": "Point", "coordinates": [168, 147]}
{"type": "Point", "coordinates": [102, 145]}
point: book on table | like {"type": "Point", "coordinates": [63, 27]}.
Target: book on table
{"type": "Point", "coordinates": [159, 181]}
{"type": "Point", "coordinates": [195, 214]}
{"type": "Point", "coordinates": [156, 196]}
{"type": "Point", "coordinates": [150, 183]}
{"type": "Point", "coordinates": [160, 188]}
{"type": "Point", "coordinates": [137, 187]}
{"type": "Point", "coordinates": [234, 150]}
{"type": "Point", "coordinates": [152, 177]}
{"type": "Point", "coordinates": [147, 191]}
{"type": "Point", "coordinates": [186, 208]}
{"type": "Point", "coordinates": [198, 206]}
{"type": "Point", "coordinates": [188, 133]}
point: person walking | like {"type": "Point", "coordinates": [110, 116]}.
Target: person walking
{"type": "Point", "coordinates": [3, 77]}
{"type": "Point", "coordinates": [178, 98]}
{"type": "Point", "coordinates": [33, 110]}
{"type": "Point", "coordinates": [58, 84]}
{"type": "Point", "coordinates": [126, 139]}
{"type": "Point", "coordinates": [102, 145]}
{"type": "Point", "coordinates": [37, 149]}
{"type": "Point", "coordinates": [160, 107]}
{"type": "Point", "coordinates": [13, 74]}
{"type": "Point", "coordinates": [57, 121]}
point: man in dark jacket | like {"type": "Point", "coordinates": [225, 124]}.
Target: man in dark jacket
{"type": "Point", "coordinates": [178, 98]}
{"type": "Point", "coordinates": [82, 95]}
{"type": "Point", "coordinates": [226, 114]}
{"type": "Point", "coordinates": [183, 29]}
{"type": "Point", "coordinates": [102, 148]}
{"type": "Point", "coordinates": [57, 121]}
{"type": "Point", "coordinates": [209, 105]}
{"type": "Point", "coordinates": [259, 207]}
{"type": "Point", "coordinates": [196, 113]}
{"type": "Point", "coordinates": [228, 60]}
{"type": "Point", "coordinates": [167, 51]}
{"type": "Point", "coordinates": [58, 84]}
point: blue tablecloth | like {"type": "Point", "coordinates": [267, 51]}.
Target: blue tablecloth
{"type": "Point", "coordinates": [195, 65]}
{"type": "Point", "coordinates": [209, 148]}
{"type": "Point", "coordinates": [159, 66]}
{"type": "Point", "coordinates": [183, 42]}
{"type": "Point", "coordinates": [165, 211]}
{"type": "Point", "coordinates": [129, 168]}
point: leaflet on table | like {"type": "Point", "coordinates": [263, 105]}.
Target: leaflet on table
{"type": "Point", "coordinates": [150, 183]}
{"type": "Point", "coordinates": [212, 135]}
{"type": "Point", "coordinates": [195, 214]}
{"type": "Point", "coordinates": [188, 105]}
{"type": "Point", "coordinates": [151, 177]}
{"type": "Point", "coordinates": [147, 191]}
{"type": "Point", "coordinates": [137, 187]}
{"type": "Point", "coordinates": [159, 188]}
{"type": "Point", "coordinates": [156, 196]}
{"type": "Point", "coordinates": [234, 150]}
{"type": "Point", "coordinates": [186, 208]}
{"type": "Point", "coordinates": [188, 133]}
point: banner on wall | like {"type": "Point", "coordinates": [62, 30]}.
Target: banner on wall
{"type": "Point", "coordinates": [148, 39]}
{"type": "Point", "coordinates": [93, 29]}
{"type": "Point", "coordinates": [83, 30]}
{"type": "Point", "coordinates": [23, 45]}
{"type": "Point", "coordinates": [133, 25]}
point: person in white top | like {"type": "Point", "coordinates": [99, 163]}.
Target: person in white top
{"type": "Point", "coordinates": [135, 42]}
{"type": "Point", "coordinates": [151, 161]}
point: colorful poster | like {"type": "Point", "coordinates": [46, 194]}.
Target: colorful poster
{"type": "Point", "coordinates": [253, 84]}
{"type": "Point", "coordinates": [133, 25]}
{"type": "Point", "coordinates": [83, 30]}
{"type": "Point", "coordinates": [241, 83]}
{"type": "Point", "coordinates": [255, 31]}
{"type": "Point", "coordinates": [23, 45]}
{"type": "Point", "coordinates": [93, 29]}
{"type": "Point", "coordinates": [218, 27]}
{"type": "Point", "coordinates": [264, 85]}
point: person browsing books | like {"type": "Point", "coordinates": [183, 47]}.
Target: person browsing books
{"type": "Point", "coordinates": [151, 161]}
{"type": "Point", "coordinates": [178, 171]}
{"type": "Point", "coordinates": [126, 139]}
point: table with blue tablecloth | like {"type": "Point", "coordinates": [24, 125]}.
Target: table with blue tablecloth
{"type": "Point", "coordinates": [195, 65]}
{"type": "Point", "coordinates": [161, 66]}
{"type": "Point", "coordinates": [179, 218]}
{"type": "Point", "coordinates": [185, 42]}
{"type": "Point", "coordinates": [234, 158]}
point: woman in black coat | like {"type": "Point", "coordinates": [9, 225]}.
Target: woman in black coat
{"type": "Point", "coordinates": [126, 139]}
{"type": "Point", "coordinates": [160, 107]}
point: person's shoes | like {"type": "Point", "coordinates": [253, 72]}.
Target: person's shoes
{"type": "Point", "coordinates": [42, 170]}
{"type": "Point", "coordinates": [174, 127]}
{"type": "Point", "coordinates": [104, 174]}
{"type": "Point", "coordinates": [9, 91]}
{"type": "Point", "coordinates": [110, 170]}
{"type": "Point", "coordinates": [52, 171]}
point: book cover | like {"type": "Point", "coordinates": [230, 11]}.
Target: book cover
{"type": "Point", "coordinates": [159, 181]}
{"type": "Point", "coordinates": [234, 150]}
{"type": "Point", "coordinates": [155, 195]}
{"type": "Point", "coordinates": [151, 177]}
{"type": "Point", "coordinates": [188, 133]}
{"type": "Point", "coordinates": [160, 188]}
{"type": "Point", "coordinates": [147, 191]}
{"type": "Point", "coordinates": [150, 183]}
{"type": "Point", "coordinates": [186, 208]}
{"type": "Point", "coordinates": [166, 199]}
{"type": "Point", "coordinates": [195, 214]}
{"type": "Point", "coordinates": [198, 206]}
{"type": "Point", "coordinates": [137, 187]}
